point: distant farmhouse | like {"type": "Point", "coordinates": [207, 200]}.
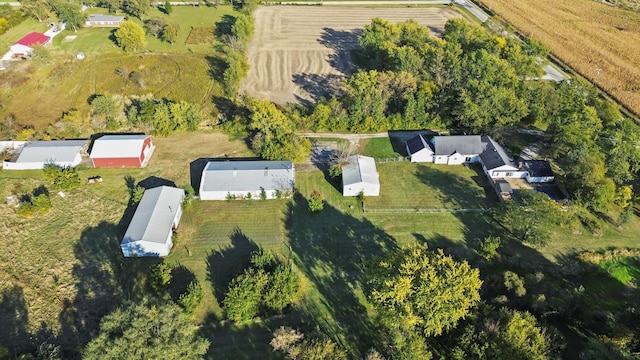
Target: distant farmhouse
{"type": "Point", "coordinates": [119, 151]}
{"type": "Point", "coordinates": [36, 154]}
{"type": "Point", "coordinates": [360, 175]}
{"type": "Point", "coordinates": [223, 179]}
{"type": "Point", "coordinates": [495, 160]}
{"type": "Point", "coordinates": [25, 45]}
{"type": "Point", "coordinates": [100, 20]}
{"type": "Point", "coordinates": [156, 218]}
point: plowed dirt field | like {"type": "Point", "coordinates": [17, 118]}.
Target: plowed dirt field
{"type": "Point", "coordinates": [300, 53]}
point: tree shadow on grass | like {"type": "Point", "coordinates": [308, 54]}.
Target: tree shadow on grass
{"type": "Point", "coordinates": [104, 280]}
{"type": "Point", "coordinates": [181, 277]}
{"type": "Point", "coordinates": [331, 249]}
{"type": "Point", "coordinates": [228, 262]}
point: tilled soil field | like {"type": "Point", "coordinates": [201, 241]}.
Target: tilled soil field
{"type": "Point", "coordinates": [300, 53]}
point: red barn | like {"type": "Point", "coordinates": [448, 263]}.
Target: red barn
{"type": "Point", "coordinates": [122, 151]}
{"type": "Point", "coordinates": [25, 45]}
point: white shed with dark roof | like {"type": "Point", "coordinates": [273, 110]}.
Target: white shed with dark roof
{"type": "Point", "coordinates": [360, 175]}
{"type": "Point", "coordinates": [497, 163]}
{"type": "Point", "coordinates": [151, 229]}
{"type": "Point", "coordinates": [36, 154]}
{"type": "Point", "coordinates": [221, 179]}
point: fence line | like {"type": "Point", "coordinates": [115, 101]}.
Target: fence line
{"type": "Point", "coordinates": [419, 210]}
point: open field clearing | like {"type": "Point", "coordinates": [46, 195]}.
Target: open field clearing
{"type": "Point", "coordinates": [600, 42]}
{"type": "Point", "coordinates": [301, 53]}
{"type": "Point", "coordinates": [70, 84]}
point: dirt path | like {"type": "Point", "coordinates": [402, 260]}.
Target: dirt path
{"type": "Point", "coordinates": [301, 53]}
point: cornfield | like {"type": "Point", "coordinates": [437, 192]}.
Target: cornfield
{"type": "Point", "coordinates": [601, 42]}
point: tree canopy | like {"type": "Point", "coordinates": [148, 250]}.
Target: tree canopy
{"type": "Point", "coordinates": [419, 290]}
{"type": "Point", "coordinates": [130, 36]}
{"type": "Point", "coordinates": [147, 331]}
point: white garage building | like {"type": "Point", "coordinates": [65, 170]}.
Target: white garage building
{"type": "Point", "coordinates": [36, 154]}
{"type": "Point", "coordinates": [221, 179]}
{"type": "Point", "coordinates": [360, 175]}
{"type": "Point", "coordinates": [151, 228]}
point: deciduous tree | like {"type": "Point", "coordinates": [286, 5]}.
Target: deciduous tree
{"type": "Point", "coordinates": [130, 36]}
{"type": "Point", "coordinates": [147, 331]}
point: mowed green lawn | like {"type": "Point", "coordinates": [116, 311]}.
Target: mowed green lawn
{"type": "Point", "coordinates": [405, 185]}
{"type": "Point", "coordinates": [101, 40]}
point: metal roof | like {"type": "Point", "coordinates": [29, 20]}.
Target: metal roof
{"type": "Point", "coordinates": [360, 169]}
{"type": "Point", "coordinates": [103, 17]}
{"type": "Point", "coordinates": [247, 175]}
{"type": "Point", "coordinates": [462, 144]}
{"type": "Point", "coordinates": [33, 38]}
{"type": "Point", "coordinates": [50, 151]}
{"type": "Point", "coordinates": [416, 144]}
{"type": "Point", "coordinates": [503, 186]}
{"type": "Point", "coordinates": [495, 155]}
{"type": "Point", "coordinates": [537, 168]}
{"type": "Point", "coordinates": [118, 146]}
{"type": "Point", "coordinates": [153, 219]}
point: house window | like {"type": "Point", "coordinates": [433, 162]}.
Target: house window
{"type": "Point", "coordinates": [467, 159]}
{"type": "Point", "coordinates": [509, 174]}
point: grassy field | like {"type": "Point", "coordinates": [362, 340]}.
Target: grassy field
{"type": "Point", "coordinates": [598, 41]}
{"type": "Point", "coordinates": [177, 72]}
{"type": "Point", "coordinates": [60, 272]}
{"type": "Point", "coordinates": [382, 148]}
{"type": "Point", "coordinates": [100, 40]}
{"type": "Point", "coordinates": [429, 186]}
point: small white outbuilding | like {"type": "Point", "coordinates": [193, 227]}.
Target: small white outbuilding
{"type": "Point", "coordinates": [37, 154]}
{"type": "Point", "coordinates": [360, 175]}
{"type": "Point", "coordinates": [151, 229]}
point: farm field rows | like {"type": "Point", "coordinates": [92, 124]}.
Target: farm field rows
{"type": "Point", "coordinates": [600, 42]}
{"type": "Point", "coordinates": [298, 53]}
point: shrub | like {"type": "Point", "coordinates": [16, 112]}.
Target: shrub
{"type": "Point", "coordinates": [489, 246]}
{"type": "Point", "coordinates": [191, 299]}
{"type": "Point", "coordinates": [242, 301]}
{"type": "Point", "coordinates": [37, 202]}
{"type": "Point", "coordinates": [316, 201]}
{"type": "Point", "coordinates": [136, 194]}
{"type": "Point", "coordinates": [230, 197]}
{"type": "Point", "coordinates": [335, 170]}
{"type": "Point", "coordinates": [263, 194]}
{"type": "Point", "coordinates": [64, 178]}
{"type": "Point", "coordinates": [159, 276]}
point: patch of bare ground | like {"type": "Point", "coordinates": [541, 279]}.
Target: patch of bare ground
{"type": "Point", "coordinates": [301, 53]}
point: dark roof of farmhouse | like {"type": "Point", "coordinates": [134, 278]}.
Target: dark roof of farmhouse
{"type": "Point", "coordinates": [538, 168]}
{"type": "Point", "coordinates": [462, 144]}
{"type": "Point", "coordinates": [494, 154]}
{"type": "Point", "coordinates": [416, 144]}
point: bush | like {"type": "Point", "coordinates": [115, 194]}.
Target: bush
{"type": "Point", "coordinates": [489, 246]}
{"type": "Point", "coordinates": [136, 194]}
{"type": "Point", "coordinates": [335, 170]}
{"type": "Point", "coordinates": [159, 276]}
{"type": "Point", "coordinates": [64, 178]}
{"type": "Point", "coordinates": [316, 201]}
{"type": "Point", "coordinates": [38, 202]}
{"type": "Point", "coordinates": [191, 299]}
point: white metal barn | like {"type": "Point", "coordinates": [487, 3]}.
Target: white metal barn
{"type": "Point", "coordinates": [360, 175]}
{"type": "Point", "coordinates": [36, 154]}
{"type": "Point", "coordinates": [419, 150]}
{"type": "Point", "coordinates": [151, 228]}
{"type": "Point", "coordinates": [221, 179]}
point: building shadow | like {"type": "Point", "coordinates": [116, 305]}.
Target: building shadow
{"type": "Point", "coordinates": [155, 181]}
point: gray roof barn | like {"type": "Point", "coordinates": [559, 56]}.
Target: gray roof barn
{"type": "Point", "coordinates": [154, 216]}
{"type": "Point", "coordinates": [105, 18]}
{"type": "Point", "coordinates": [495, 155]}
{"type": "Point", "coordinates": [60, 151]}
{"type": "Point", "coordinates": [360, 169]}
{"type": "Point", "coordinates": [247, 176]}
{"type": "Point", "coordinates": [462, 144]}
